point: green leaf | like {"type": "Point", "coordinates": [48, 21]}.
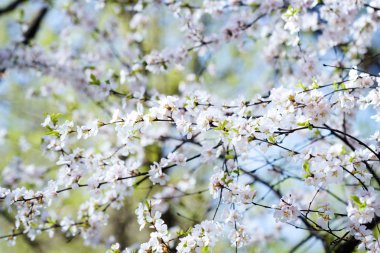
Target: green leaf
{"type": "Point", "coordinates": [205, 249]}
{"type": "Point", "coordinates": [357, 201]}
{"type": "Point", "coordinates": [271, 139]}
{"type": "Point", "coordinates": [300, 85]}
{"type": "Point", "coordinates": [89, 67]}
{"type": "Point", "coordinates": [335, 86]}
{"type": "Point", "coordinates": [343, 151]}
{"type": "Point", "coordinates": [251, 138]}
{"type": "Point", "coordinates": [53, 132]}
{"type": "Point", "coordinates": [306, 166]}
{"type": "Point", "coordinates": [54, 117]}
{"type": "Point", "coordinates": [314, 84]}
{"type": "Point", "coordinates": [147, 204]}
{"type": "Point", "coordinates": [222, 125]}
{"type": "Point", "coordinates": [304, 124]}
{"type": "Point", "coordinates": [340, 85]}
{"type": "Point", "coordinates": [50, 221]}
{"type": "Point", "coordinates": [94, 80]}
{"type": "Point", "coordinates": [229, 156]}
{"type": "Point", "coordinates": [291, 11]}
{"type": "Point", "coordinates": [181, 233]}
{"type": "Point", "coordinates": [224, 179]}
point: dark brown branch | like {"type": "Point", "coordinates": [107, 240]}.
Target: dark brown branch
{"type": "Point", "coordinates": [11, 6]}
{"type": "Point", "coordinates": [35, 26]}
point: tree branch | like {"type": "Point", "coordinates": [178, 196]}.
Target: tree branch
{"type": "Point", "coordinates": [11, 6]}
{"type": "Point", "coordinates": [35, 26]}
